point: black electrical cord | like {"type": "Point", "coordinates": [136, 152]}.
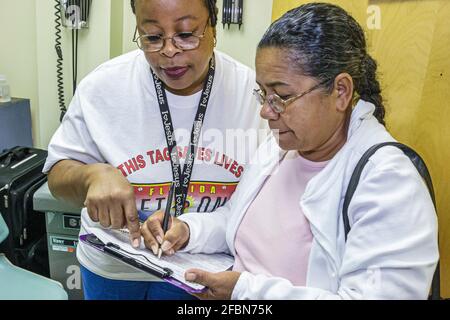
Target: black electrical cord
{"type": "Point", "coordinates": [82, 16]}
{"type": "Point", "coordinates": [74, 59]}
{"type": "Point", "coordinates": [75, 70]}
{"type": "Point", "coordinates": [59, 61]}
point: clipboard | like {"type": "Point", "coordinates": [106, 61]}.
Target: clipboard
{"type": "Point", "coordinates": [115, 251]}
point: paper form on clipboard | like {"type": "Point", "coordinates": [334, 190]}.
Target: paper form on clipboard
{"type": "Point", "coordinates": [117, 244]}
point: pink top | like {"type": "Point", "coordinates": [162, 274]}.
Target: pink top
{"type": "Point", "coordinates": [274, 237]}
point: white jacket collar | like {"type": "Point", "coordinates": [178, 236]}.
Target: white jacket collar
{"type": "Point", "coordinates": [323, 226]}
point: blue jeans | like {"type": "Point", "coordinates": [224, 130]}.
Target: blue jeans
{"type": "Point", "coordinates": [96, 287]}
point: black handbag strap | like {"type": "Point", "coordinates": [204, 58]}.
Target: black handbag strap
{"type": "Point", "coordinates": [423, 171]}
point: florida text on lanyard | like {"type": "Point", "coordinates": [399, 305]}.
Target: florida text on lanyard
{"type": "Point", "coordinates": [181, 179]}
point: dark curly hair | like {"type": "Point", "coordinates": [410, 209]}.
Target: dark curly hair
{"type": "Point", "coordinates": [323, 40]}
{"type": "Point", "coordinates": [211, 5]}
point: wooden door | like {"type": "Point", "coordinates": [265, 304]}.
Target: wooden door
{"type": "Point", "coordinates": [411, 42]}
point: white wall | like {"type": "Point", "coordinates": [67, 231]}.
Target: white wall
{"type": "Point", "coordinates": [241, 44]}
{"type": "Point", "coordinates": [18, 52]}
{"type": "Point", "coordinates": [93, 49]}
{"type": "Point", "coordinates": [28, 56]}
{"type": "Point", "coordinates": [129, 26]}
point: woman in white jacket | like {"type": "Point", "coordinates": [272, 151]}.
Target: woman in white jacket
{"type": "Point", "coordinates": [284, 223]}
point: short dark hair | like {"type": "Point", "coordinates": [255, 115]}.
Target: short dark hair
{"type": "Point", "coordinates": [323, 40]}
{"type": "Point", "coordinates": [211, 5]}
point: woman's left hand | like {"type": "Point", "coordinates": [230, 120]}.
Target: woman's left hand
{"type": "Point", "coordinates": [219, 285]}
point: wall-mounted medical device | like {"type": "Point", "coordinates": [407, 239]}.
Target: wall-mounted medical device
{"type": "Point", "coordinates": [232, 12]}
{"type": "Point", "coordinates": [74, 15]}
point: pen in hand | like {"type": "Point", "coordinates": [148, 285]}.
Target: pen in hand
{"type": "Point", "coordinates": [165, 224]}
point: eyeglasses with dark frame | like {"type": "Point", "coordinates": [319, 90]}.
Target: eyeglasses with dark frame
{"type": "Point", "coordinates": [276, 103]}
{"type": "Point", "coordinates": [183, 40]}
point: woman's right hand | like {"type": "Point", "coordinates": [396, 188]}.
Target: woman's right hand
{"type": "Point", "coordinates": [176, 237]}
{"type": "Point", "coordinates": [110, 200]}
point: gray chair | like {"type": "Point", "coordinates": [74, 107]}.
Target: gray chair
{"type": "Point", "coordinates": [20, 284]}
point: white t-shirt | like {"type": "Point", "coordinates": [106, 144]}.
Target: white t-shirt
{"type": "Point", "coordinates": [114, 118]}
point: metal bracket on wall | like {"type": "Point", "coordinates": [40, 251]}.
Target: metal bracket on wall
{"type": "Point", "coordinates": [232, 12]}
{"type": "Point", "coordinates": [75, 13]}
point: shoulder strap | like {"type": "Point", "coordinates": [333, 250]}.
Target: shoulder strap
{"type": "Point", "coordinates": [423, 171]}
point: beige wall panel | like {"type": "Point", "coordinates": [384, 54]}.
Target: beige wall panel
{"type": "Point", "coordinates": [412, 48]}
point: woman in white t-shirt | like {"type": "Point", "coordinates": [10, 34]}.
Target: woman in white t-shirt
{"type": "Point", "coordinates": [114, 152]}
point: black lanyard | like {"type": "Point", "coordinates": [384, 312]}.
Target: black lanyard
{"type": "Point", "coordinates": [182, 179]}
